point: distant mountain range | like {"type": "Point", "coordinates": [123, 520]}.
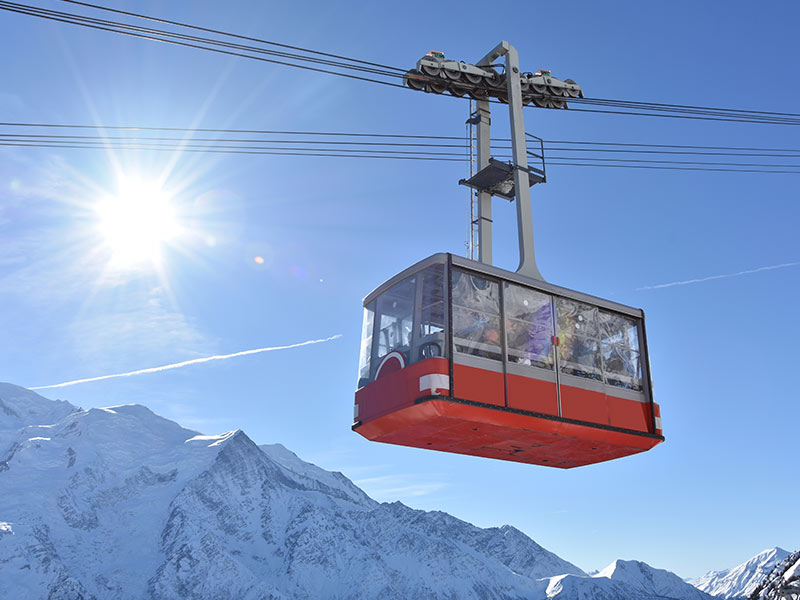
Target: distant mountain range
{"type": "Point", "coordinates": [740, 581]}
{"type": "Point", "coordinates": [120, 503]}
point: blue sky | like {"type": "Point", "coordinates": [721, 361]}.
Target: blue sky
{"type": "Point", "coordinates": [723, 351]}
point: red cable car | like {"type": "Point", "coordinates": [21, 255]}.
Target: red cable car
{"type": "Point", "coordinates": [464, 357]}
{"type": "Point", "coordinates": [460, 356]}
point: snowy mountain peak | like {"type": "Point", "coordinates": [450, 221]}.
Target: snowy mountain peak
{"type": "Point", "coordinates": [20, 407]}
{"type": "Point", "coordinates": [782, 582]}
{"type": "Point", "coordinates": [212, 440]}
{"type": "Point", "coordinates": [649, 580]}
{"type": "Point", "coordinates": [312, 475]}
{"type": "Point", "coordinates": [741, 580]}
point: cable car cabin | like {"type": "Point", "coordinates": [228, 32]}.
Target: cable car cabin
{"type": "Point", "coordinates": [464, 357]}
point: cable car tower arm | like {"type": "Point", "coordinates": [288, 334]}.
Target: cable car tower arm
{"type": "Point", "coordinates": [527, 256]}
{"type": "Point", "coordinates": [511, 180]}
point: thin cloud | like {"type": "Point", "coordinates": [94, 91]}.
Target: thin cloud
{"type": "Point", "coordinates": [709, 278]}
{"type": "Point", "coordinates": [393, 487]}
{"type": "Point", "coordinates": [186, 363]}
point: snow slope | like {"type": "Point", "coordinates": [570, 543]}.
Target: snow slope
{"type": "Point", "coordinates": [121, 503]}
{"type": "Point", "coordinates": [648, 580]}
{"type": "Point", "coordinates": [20, 407]}
{"type": "Point", "coordinates": [782, 582]}
{"type": "Point", "coordinates": [741, 580]}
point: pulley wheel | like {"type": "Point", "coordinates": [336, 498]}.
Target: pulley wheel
{"type": "Point", "coordinates": [432, 71]}
{"type": "Point", "coordinates": [415, 80]}
{"type": "Point", "coordinates": [572, 92]}
{"type": "Point", "coordinates": [437, 87]}
{"type": "Point", "coordinates": [453, 74]}
{"type": "Point", "coordinates": [494, 79]}
{"type": "Point", "coordinates": [473, 78]}
{"type": "Point", "coordinates": [457, 90]}
{"type": "Point", "coordinates": [541, 102]}
{"type": "Point", "coordinates": [555, 91]}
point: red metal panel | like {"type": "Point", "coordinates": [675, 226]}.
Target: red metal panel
{"type": "Point", "coordinates": [388, 413]}
{"type": "Point", "coordinates": [584, 405]}
{"type": "Point", "coordinates": [451, 426]}
{"type": "Point", "coordinates": [479, 385]}
{"type": "Point", "coordinates": [629, 414]}
{"type": "Point", "coordinates": [396, 390]}
{"type": "Point", "coordinates": [535, 395]}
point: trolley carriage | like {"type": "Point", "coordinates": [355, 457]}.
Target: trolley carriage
{"type": "Point", "coordinates": [464, 357]}
{"type": "Point", "coordinates": [460, 356]}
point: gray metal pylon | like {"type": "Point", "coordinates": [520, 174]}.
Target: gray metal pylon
{"type": "Point", "coordinates": [527, 257]}
{"type": "Point", "coordinates": [484, 198]}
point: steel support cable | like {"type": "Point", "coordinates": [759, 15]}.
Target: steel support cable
{"type": "Point", "coordinates": [666, 116]}
{"type": "Point", "coordinates": [18, 137]}
{"type": "Point", "coordinates": [702, 112]}
{"type": "Point", "coordinates": [633, 162]}
{"type": "Point", "coordinates": [697, 114]}
{"type": "Point", "coordinates": [560, 161]}
{"type": "Point", "coordinates": [682, 109]}
{"type": "Point", "coordinates": [691, 107]}
{"type": "Point", "coordinates": [210, 130]}
{"type": "Point", "coordinates": [118, 27]}
{"type": "Point", "coordinates": [428, 158]}
{"type": "Point", "coordinates": [632, 166]}
{"type": "Point", "coordinates": [4, 6]}
{"type": "Point", "coordinates": [769, 152]}
{"type": "Point", "coordinates": [233, 35]}
{"type": "Point", "coordinates": [595, 143]}
{"type": "Point", "coordinates": [358, 135]}
{"type": "Point", "coordinates": [669, 152]}
{"type": "Point", "coordinates": [212, 151]}
{"type": "Point", "coordinates": [362, 147]}
{"type": "Point", "coordinates": [710, 114]}
{"type": "Point", "coordinates": [693, 115]}
{"type": "Point", "coordinates": [687, 111]}
{"type": "Point", "coordinates": [672, 168]}
{"type": "Point", "coordinates": [771, 117]}
{"type": "Point", "coordinates": [675, 162]}
{"type": "Point", "coordinates": [157, 145]}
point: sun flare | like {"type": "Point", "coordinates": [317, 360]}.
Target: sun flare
{"type": "Point", "coordinates": [137, 222]}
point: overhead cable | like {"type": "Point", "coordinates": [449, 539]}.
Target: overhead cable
{"type": "Point", "coordinates": [344, 63]}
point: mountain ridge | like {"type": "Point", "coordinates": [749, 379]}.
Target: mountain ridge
{"type": "Point", "coordinates": [121, 503]}
{"type": "Point", "coordinates": [738, 582]}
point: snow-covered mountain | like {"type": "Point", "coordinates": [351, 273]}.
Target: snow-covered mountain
{"type": "Point", "coordinates": [782, 583]}
{"type": "Point", "coordinates": [121, 503]}
{"type": "Point", "coordinates": [645, 578]}
{"type": "Point", "coordinates": [741, 580]}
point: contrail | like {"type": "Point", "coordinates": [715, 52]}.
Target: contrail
{"type": "Point", "coordinates": [688, 281]}
{"type": "Point", "coordinates": [186, 363]}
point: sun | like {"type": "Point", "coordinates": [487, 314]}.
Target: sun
{"type": "Point", "coordinates": [137, 222]}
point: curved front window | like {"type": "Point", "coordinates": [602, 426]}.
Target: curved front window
{"type": "Point", "coordinates": [395, 318]}
{"type": "Point", "coordinates": [409, 318]}
{"type": "Point", "coordinates": [365, 356]}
